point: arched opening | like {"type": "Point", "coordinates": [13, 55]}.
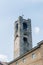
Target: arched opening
{"type": "Point", "coordinates": [24, 25]}
{"type": "Point", "coordinates": [24, 39]}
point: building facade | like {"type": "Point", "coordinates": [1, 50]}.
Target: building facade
{"type": "Point", "coordinates": [32, 57]}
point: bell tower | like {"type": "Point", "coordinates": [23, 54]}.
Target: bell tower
{"type": "Point", "coordinates": [22, 37]}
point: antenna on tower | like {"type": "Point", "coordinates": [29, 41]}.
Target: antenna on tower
{"type": "Point", "coordinates": [22, 15]}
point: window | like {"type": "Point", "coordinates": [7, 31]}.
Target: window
{"type": "Point", "coordinates": [25, 39]}
{"type": "Point", "coordinates": [16, 63]}
{"type": "Point", "coordinates": [33, 55]}
{"type": "Point", "coordinates": [25, 26]}
{"type": "Point", "coordinates": [23, 59]}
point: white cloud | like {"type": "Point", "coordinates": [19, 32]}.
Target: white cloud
{"type": "Point", "coordinates": [37, 30]}
{"type": "Point", "coordinates": [3, 58]}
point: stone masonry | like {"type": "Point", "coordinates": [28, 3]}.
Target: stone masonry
{"type": "Point", "coordinates": [22, 37]}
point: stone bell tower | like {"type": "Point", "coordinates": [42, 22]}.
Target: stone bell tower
{"type": "Point", "coordinates": [22, 37]}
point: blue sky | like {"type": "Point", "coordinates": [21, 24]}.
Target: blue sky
{"type": "Point", "coordinates": [9, 12]}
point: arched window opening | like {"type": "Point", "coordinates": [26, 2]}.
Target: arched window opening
{"type": "Point", "coordinates": [25, 39]}
{"type": "Point", "coordinates": [24, 25]}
